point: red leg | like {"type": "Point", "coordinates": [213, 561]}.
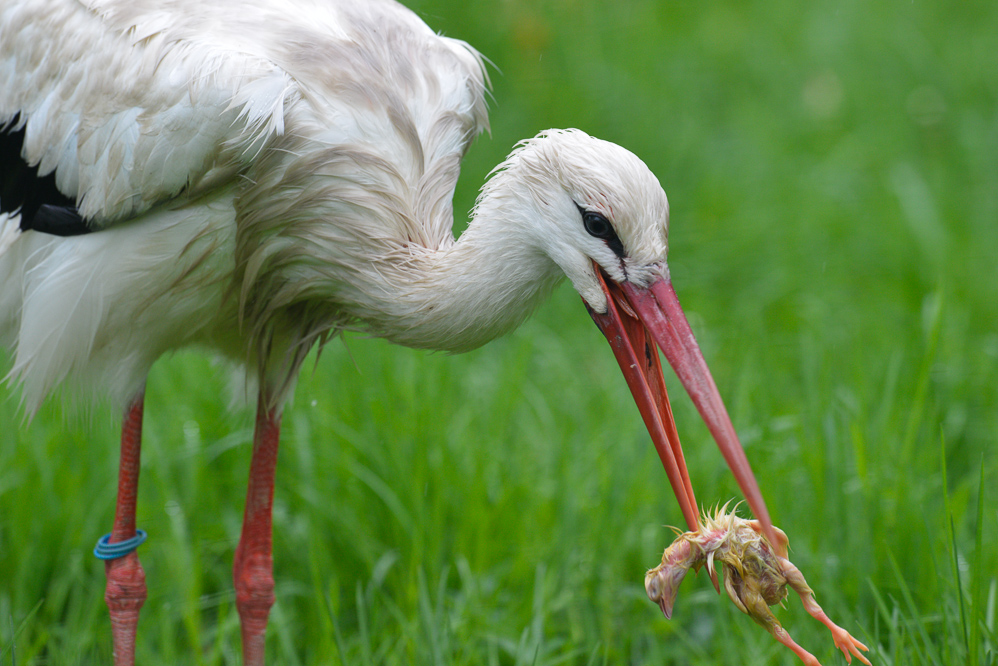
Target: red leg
{"type": "Point", "coordinates": [253, 570]}
{"type": "Point", "coordinates": [126, 581]}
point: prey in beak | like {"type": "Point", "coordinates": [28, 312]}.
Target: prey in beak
{"type": "Point", "coordinates": [639, 318]}
{"type": "Point", "coordinates": [756, 576]}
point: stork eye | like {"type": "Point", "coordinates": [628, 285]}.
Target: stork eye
{"type": "Point", "coordinates": [598, 226]}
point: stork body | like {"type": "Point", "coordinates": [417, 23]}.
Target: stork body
{"type": "Point", "coordinates": [234, 184]}
{"type": "Point", "coordinates": [257, 176]}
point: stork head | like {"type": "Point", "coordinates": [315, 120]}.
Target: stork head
{"type": "Point", "coordinates": [599, 213]}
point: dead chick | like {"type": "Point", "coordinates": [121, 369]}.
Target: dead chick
{"type": "Point", "coordinates": [756, 576]}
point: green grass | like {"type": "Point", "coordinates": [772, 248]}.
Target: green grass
{"type": "Point", "coordinates": [833, 173]}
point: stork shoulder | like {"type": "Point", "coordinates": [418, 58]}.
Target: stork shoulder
{"type": "Point", "coordinates": [127, 112]}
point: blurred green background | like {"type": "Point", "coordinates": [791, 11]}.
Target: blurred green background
{"type": "Point", "coordinates": [833, 174]}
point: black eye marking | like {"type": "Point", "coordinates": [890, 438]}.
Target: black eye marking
{"type": "Point", "coordinates": [598, 226]}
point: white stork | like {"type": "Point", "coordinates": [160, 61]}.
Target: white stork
{"type": "Point", "coordinates": [255, 176]}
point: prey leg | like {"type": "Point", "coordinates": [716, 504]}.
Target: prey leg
{"type": "Point", "coordinates": [758, 610]}
{"type": "Point", "coordinates": [253, 571]}
{"type": "Point", "coordinates": [780, 634]}
{"type": "Point", "coordinates": [843, 640]}
{"type": "Point", "coordinates": [126, 581]}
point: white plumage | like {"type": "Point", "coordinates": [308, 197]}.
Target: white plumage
{"type": "Point", "coordinates": [258, 197]}
{"type": "Point", "coordinates": [174, 131]}
{"type": "Point", "coordinates": [262, 174]}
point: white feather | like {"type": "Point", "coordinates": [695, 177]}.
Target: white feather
{"type": "Point", "coordinates": [98, 309]}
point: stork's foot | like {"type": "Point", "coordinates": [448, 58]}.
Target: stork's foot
{"type": "Point", "coordinates": [254, 582]}
{"type": "Point", "coordinates": [125, 594]}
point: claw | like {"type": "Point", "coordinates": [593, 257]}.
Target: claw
{"type": "Point", "coordinates": [850, 646]}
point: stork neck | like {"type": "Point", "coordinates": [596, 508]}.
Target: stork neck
{"type": "Point", "coordinates": [480, 287]}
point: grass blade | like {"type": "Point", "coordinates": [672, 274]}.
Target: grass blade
{"type": "Point", "coordinates": [977, 579]}
{"type": "Point", "coordinates": [915, 619]}
{"type": "Point", "coordinates": [15, 632]}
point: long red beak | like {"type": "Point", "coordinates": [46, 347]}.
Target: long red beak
{"type": "Point", "coordinates": [636, 317]}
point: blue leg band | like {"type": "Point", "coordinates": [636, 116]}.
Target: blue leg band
{"type": "Point", "coordinates": [112, 551]}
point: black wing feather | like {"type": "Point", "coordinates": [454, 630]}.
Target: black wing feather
{"type": "Point", "coordinates": [41, 205]}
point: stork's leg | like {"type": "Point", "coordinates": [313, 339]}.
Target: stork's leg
{"type": "Point", "coordinates": [253, 570]}
{"type": "Point", "coordinates": [126, 581]}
